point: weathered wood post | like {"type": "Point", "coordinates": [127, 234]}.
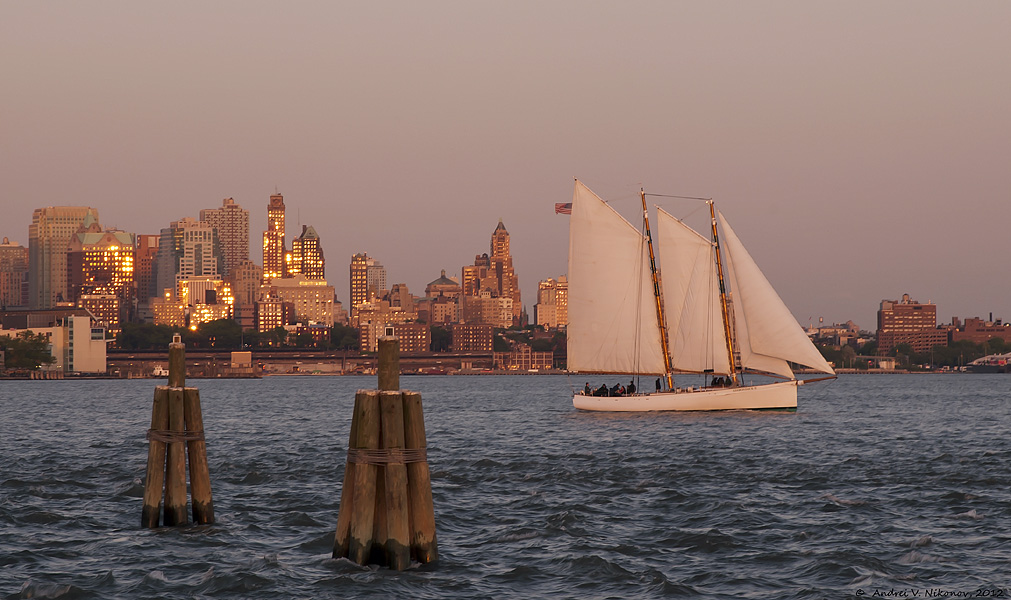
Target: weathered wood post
{"type": "Point", "coordinates": [424, 547]}
{"type": "Point", "coordinates": [196, 450]}
{"type": "Point", "coordinates": [175, 469]}
{"type": "Point", "coordinates": [176, 430]}
{"type": "Point", "coordinates": [363, 505]}
{"type": "Point", "coordinates": [381, 501]}
{"type": "Point", "coordinates": [155, 478]}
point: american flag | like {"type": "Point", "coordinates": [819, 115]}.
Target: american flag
{"type": "Point", "coordinates": [563, 208]}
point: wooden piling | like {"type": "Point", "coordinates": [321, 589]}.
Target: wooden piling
{"type": "Point", "coordinates": [155, 478]}
{"type": "Point", "coordinates": [177, 429]}
{"type": "Point", "coordinates": [388, 360]}
{"type": "Point", "coordinates": [177, 363]}
{"type": "Point", "coordinates": [424, 547]}
{"type": "Point", "coordinates": [397, 542]}
{"type": "Point", "coordinates": [340, 542]}
{"type": "Point", "coordinates": [363, 506]}
{"type": "Point", "coordinates": [386, 515]}
{"type": "Point", "coordinates": [200, 476]}
{"type": "Point", "coordinates": [175, 467]}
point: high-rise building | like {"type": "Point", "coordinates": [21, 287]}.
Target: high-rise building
{"type": "Point", "coordinates": [100, 274]}
{"type": "Point", "coordinates": [48, 237]}
{"type": "Point", "coordinates": [188, 249]}
{"type": "Point", "coordinates": [368, 280]}
{"type": "Point", "coordinates": [13, 275]}
{"type": "Point", "coordinates": [232, 223]}
{"type": "Point", "coordinates": [909, 322]}
{"type": "Point", "coordinates": [312, 299]}
{"type": "Point", "coordinates": [492, 276]}
{"type": "Point", "coordinates": [144, 266]}
{"type": "Point", "coordinates": [306, 255]}
{"type": "Point", "coordinates": [552, 308]}
{"type": "Point", "coordinates": [273, 239]}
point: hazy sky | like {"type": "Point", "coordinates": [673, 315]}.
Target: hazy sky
{"type": "Point", "coordinates": [861, 150]}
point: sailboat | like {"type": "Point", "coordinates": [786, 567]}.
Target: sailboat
{"type": "Point", "coordinates": [712, 313]}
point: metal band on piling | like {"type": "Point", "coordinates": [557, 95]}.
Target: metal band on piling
{"type": "Point", "coordinates": [170, 437]}
{"type": "Point", "coordinates": [387, 456]}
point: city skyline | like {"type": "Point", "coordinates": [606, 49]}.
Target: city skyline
{"type": "Point", "coordinates": [860, 149]}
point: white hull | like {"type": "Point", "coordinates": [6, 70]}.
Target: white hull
{"type": "Point", "coordinates": [782, 394]}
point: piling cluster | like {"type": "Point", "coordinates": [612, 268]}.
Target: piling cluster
{"type": "Point", "coordinates": [177, 431]}
{"type": "Point", "coordinates": [386, 514]}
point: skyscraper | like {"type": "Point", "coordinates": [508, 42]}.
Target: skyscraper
{"type": "Point", "coordinates": [306, 255]}
{"type": "Point", "coordinates": [492, 277]}
{"type": "Point", "coordinates": [188, 249]}
{"type": "Point", "coordinates": [232, 223]}
{"type": "Point", "coordinates": [100, 274]}
{"type": "Point", "coordinates": [13, 275]}
{"type": "Point", "coordinates": [552, 308]}
{"type": "Point", "coordinates": [368, 279]}
{"type": "Point", "coordinates": [273, 239]}
{"type": "Point", "coordinates": [48, 237]}
{"type": "Point", "coordinates": [144, 271]}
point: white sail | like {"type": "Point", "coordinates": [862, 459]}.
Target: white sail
{"type": "Point", "coordinates": [691, 293]}
{"type": "Point", "coordinates": [768, 335]}
{"type": "Point", "coordinates": [612, 309]}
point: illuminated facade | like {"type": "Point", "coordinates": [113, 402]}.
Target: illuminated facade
{"type": "Point", "coordinates": [374, 317]}
{"type": "Point", "coordinates": [232, 224]}
{"type": "Point", "coordinates": [13, 275]}
{"type": "Point", "coordinates": [368, 279]}
{"type": "Point", "coordinates": [48, 238]}
{"type": "Point", "coordinates": [312, 299]}
{"type": "Point", "coordinates": [188, 249]}
{"type": "Point", "coordinates": [100, 274]}
{"type": "Point", "coordinates": [196, 300]}
{"type": "Point", "coordinates": [492, 275]}
{"type": "Point", "coordinates": [306, 256]}
{"type": "Point", "coordinates": [552, 308]}
{"type": "Point", "coordinates": [147, 255]}
{"type": "Point", "coordinates": [273, 239]}
{"type": "Point", "coordinates": [471, 338]}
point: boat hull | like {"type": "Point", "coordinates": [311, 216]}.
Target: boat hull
{"type": "Point", "coordinates": [781, 395]}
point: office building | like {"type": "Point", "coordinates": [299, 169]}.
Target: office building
{"type": "Point", "coordinates": [188, 249]}
{"type": "Point", "coordinates": [144, 266]}
{"type": "Point", "coordinates": [368, 280]}
{"type": "Point", "coordinates": [312, 299]}
{"type": "Point", "coordinates": [306, 255]}
{"type": "Point", "coordinates": [909, 322]}
{"type": "Point", "coordinates": [492, 276]}
{"type": "Point", "coordinates": [552, 308]}
{"type": "Point", "coordinates": [232, 224]}
{"type": "Point", "coordinates": [273, 239]}
{"type": "Point", "coordinates": [48, 238]}
{"type": "Point", "coordinates": [13, 275]}
{"type": "Point", "coordinates": [100, 274]}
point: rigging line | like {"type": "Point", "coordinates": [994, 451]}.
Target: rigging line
{"type": "Point", "coordinates": [679, 197]}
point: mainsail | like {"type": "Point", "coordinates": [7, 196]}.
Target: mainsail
{"type": "Point", "coordinates": [768, 336]}
{"type": "Point", "coordinates": [692, 297]}
{"type": "Point", "coordinates": [612, 316]}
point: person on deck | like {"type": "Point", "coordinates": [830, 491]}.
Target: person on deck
{"type": "Point", "coordinates": [658, 385]}
{"type": "Point", "coordinates": [631, 387]}
{"type": "Point", "coordinates": [586, 389]}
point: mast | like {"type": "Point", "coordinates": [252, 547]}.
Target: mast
{"type": "Point", "coordinates": [660, 320]}
{"type": "Point", "coordinates": [723, 297]}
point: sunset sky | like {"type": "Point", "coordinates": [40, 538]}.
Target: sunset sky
{"type": "Point", "coordinates": [861, 150]}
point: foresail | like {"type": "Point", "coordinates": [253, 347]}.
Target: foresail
{"type": "Point", "coordinates": [691, 294]}
{"type": "Point", "coordinates": [612, 315]}
{"type": "Point", "coordinates": [768, 335]}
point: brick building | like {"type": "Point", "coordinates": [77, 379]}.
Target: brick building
{"type": "Point", "coordinates": [907, 321]}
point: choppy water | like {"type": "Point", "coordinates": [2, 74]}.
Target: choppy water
{"type": "Point", "coordinates": [876, 483]}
